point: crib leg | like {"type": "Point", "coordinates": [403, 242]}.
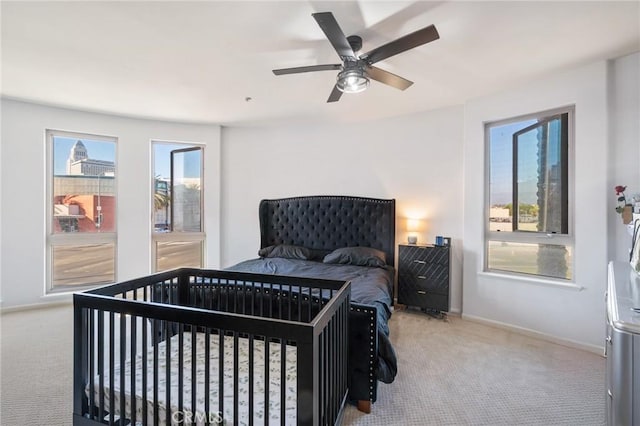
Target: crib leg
{"type": "Point", "coordinates": [364, 406]}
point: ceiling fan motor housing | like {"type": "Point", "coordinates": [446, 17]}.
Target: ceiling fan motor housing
{"type": "Point", "coordinates": [355, 42]}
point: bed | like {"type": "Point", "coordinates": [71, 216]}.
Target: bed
{"type": "Point", "coordinates": [302, 232]}
{"type": "Point", "coordinates": [193, 346]}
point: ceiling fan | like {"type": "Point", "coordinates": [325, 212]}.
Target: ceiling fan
{"type": "Point", "coordinates": [355, 71]}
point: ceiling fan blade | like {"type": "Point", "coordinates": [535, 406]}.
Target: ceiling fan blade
{"type": "Point", "coordinates": [402, 44]}
{"type": "Point", "coordinates": [296, 70]}
{"type": "Point", "coordinates": [334, 33]}
{"type": "Point", "coordinates": [388, 78]}
{"type": "Point", "coordinates": [335, 95]}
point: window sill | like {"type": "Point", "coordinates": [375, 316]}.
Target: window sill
{"type": "Point", "coordinates": [58, 295]}
{"type": "Point", "coordinates": [62, 292]}
{"type": "Point", "coordinates": [532, 280]}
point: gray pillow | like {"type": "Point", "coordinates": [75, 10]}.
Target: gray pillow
{"type": "Point", "coordinates": [359, 256]}
{"type": "Point", "coordinates": [286, 251]}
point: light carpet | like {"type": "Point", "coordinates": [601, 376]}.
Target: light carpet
{"type": "Point", "coordinates": [449, 373]}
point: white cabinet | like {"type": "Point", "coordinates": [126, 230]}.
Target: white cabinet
{"type": "Point", "coordinates": [622, 346]}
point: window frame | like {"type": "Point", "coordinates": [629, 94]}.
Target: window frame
{"type": "Point", "coordinates": [171, 235]}
{"type": "Point", "coordinates": [531, 237]}
{"type": "Point", "coordinates": [75, 239]}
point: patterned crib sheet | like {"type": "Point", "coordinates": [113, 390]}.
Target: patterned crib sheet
{"type": "Point", "coordinates": [198, 415]}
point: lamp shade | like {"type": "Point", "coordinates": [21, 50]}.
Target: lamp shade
{"type": "Point", "coordinates": [413, 226]}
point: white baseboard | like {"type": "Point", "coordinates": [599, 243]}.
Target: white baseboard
{"type": "Point", "coordinates": [598, 350]}
{"type": "Point", "coordinates": [43, 305]}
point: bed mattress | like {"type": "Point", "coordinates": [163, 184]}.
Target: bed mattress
{"type": "Point", "coordinates": [371, 286]}
{"type": "Point", "coordinates": [197, 414]}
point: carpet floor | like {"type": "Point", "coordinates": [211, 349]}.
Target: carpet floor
{"type": "Point", "coordinates": [449, 373]}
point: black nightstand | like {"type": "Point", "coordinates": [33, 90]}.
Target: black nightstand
{"type": "Point", "coordinates": [423, 276]}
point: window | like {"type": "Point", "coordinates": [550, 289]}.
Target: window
{"type": "Point", "coordinates": [178, 232]}
{"type": "Point", "coordinates": [528, 228]}
{"type": "Point", "coordinates": [81, 243]}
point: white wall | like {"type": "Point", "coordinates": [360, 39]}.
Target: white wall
{"type": "Point", "coordinates": [414, 159]}
{"type": "Point", "coordinates": [1, 198]}
{"type": "Point", "coordinates": [432, 163]}
{"type": "Point", "coordinates": [552, 311]}
{"type": "Point", "coordinates": [624, 146]}
{"type": "Point", "coordinates": [24, 206]}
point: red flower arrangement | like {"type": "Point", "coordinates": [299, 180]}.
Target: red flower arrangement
{"type": "Point", "coordinates": [622, 199]}
{"type": "Point", "coordinates": [624, 208]}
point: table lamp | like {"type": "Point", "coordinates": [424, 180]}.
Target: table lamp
{"type": "Point", "coordinates": [413, 227]}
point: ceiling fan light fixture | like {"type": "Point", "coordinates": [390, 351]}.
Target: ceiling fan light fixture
{"type": "Point", "coordinates": [353, 80]}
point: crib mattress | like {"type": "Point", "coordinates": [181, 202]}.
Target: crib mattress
{"type": "Point", "coordinates": [197, 414]}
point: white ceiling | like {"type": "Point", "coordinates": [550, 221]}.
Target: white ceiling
{"type": "Point", "coordinates": [198, 61]}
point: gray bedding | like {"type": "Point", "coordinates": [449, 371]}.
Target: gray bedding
{"type": "Point", "coordinates": [369, 285]}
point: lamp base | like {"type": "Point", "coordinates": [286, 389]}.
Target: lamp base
{"type": "Point", "coordinates": [412, 239]}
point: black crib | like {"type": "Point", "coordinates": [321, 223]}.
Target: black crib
{"type": "Point", "coordinates": [193, 346]}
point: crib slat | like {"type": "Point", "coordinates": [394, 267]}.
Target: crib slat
{"type": "Point", "coordinates": [207, 375]}
{"type": "Point", "coordinates": [283, 381]}
{"type": "Point", "coordinates": [322, 344]}
{"type": "Point", "coordinates": [221, 371]}
{"type": "Point", "coordinates": [235, 370]}
{"type": "Point", "coordinates": [261, 299]}
{"type": "Point", "coordinates": [244, 298]}
{"type": "Point", "coordinates": [250, 379]}
{"type": "Point", "coordinates": [194, 379]}
{"type": "Point", "coordinates": [340, 328]}
{"type": "Point", "coordinates": [253, 298]}
{"type": "Point", "coordinates": [204, 296]}
{"type": "Point", "coordinates": [328, 374]}
{"type": "Point", "coordinates": [223, 291]}
{"type": "Point", "coordinates": [134, 346]}
{"type": "Point", "coordinates": [111, 367]}
{"type": "Point", "coordinates": [205, 290]}
{"type": "Point", "coordinates": [144, 371]}
{"type": "Point", "coordinates": [92, 360]}
{"type": "Point", "coordinates": [266, 379]}
{"type": "Point", "coordinates": [219, 288]}
{"type": "Point", "coordinates": [101, 364]}
{"type": "Point", "coordinates": [123, 356]}
{"type": "Point", "coordinates": [334, 371]}
{"type": "Point", "coordinates": [156, 413]}
{"type": "Point", "coordinates": [167, 347]}
{"type": "Point", "coordinates": [345, 342]}
{"type": "Point", "coordinates": [180, 367]}
{"type": "Point", "coordinates": [235, 296]}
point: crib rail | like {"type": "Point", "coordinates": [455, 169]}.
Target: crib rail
{"type": "Point", "coordinates": [169, 349]}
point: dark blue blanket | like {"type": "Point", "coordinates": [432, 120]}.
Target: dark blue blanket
{"type": "Point", "coordinates": [369, 286]}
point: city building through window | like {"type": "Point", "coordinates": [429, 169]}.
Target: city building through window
{"type": "Point", "coordinates": [528, 227]}
{"type": "Point", "coordinates": [81, 242]}
{"type": "Point", "coordinates": [178, 232]}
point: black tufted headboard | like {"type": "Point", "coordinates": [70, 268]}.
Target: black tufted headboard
{"type": "Point", "coordinates": [329, 222]}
